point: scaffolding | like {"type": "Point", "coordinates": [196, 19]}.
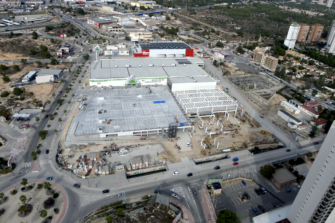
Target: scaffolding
{"type": "Point", "coordinates": [205, 100]}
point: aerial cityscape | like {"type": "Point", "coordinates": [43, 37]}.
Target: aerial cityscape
{"type": "Point", "coordinates": [217, 111]}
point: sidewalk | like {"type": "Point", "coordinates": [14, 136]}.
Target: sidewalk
{"type": "Point", "coordinates": [207, 205]}
{"type": "Point", "coordinates": [187, 215]}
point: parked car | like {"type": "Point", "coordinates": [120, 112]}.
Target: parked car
{"type": "Point", "coordinates": [288, 150]}
{"type": "Point", "coordinates": [261, 116]}
{"type": "Point", "coordinates": [46, 116]}
{"type": "Point", "coordinates": [217, 168]}
{"type": "Point", "coordinates": [190, 174]}
{"type": "Point", "coordinates": [235, 164]}
{"type": "Point", "coordinates": [243, 182]}
{"type": "Point", "coordinates": [257, 192]}
{"type": "Point", "coordinates": [105, 191]}
{"type": "Point", "coordinates": [316, 143]}
{"type": "Point", "coordinates": [263, 190]}
{"type": "Point", "coordinates": [194, 192]}
{"type": "Point", "coordinates": [254, 210]}
{"type": "Point", "coordinates": [49, 178]}
{"type": "Point", "coordinates": [120, 194]}
{"type": "Point", "coordinates": [47, 151]}
{"type": "Point", "coordinates": [261, 208]}
{"type": "Point", "coordinates": [247, 195]}
{"type": "Point", "coordinates": [288, 190]}
{"type": "Point", "coordinates": [175, 195]}
{"type": "Point", "coordinates": [60, 92]}
{"type": "Point", "coordinates": [76, 185]}
{"type": "Point", "coordinates": [158, 192]}
{"type": "Point", "coordinates": [175, 173]}
{"type": "Point", "coordinates": [235, 159]}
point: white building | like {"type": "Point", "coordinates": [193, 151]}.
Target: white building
{"type": "Point", "coordinates": [292, 35]}
{"type": "Point", "coordinates": [331, 39]}
{"type": "Point", "coordinates": [47, 75]}
{"type": "Point", "coordinates": [289, 107]}
{"type": "Point", "coordinates": [288, 117]}
{"type": "Point", "coordinates": [315, 200]}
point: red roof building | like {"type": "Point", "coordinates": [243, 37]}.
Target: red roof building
{"type": "Point", "coordinates": [319, 122]}
{"type": "Point", "coordinates": [311, 108]}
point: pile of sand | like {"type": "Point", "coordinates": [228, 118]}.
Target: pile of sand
{"type": "Point", "coordinates": [276, 99]}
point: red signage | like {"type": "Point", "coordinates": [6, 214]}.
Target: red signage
{"type": "Point", "coordinates": [80, 3]}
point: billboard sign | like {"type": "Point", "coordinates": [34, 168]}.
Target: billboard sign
{"type": "Point", "coordinates": [97, 48]}
{"type": "Point", "coordinates": [62, 35]}
{"type": "Point", "coordinates": [134, 39]}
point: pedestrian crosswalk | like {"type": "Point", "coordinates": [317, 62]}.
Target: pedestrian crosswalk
{"type": "Point", "coordinates": [91, 198]}
{"type": "Point", "coordinates": [15, 151]}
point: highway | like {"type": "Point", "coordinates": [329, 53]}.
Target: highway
{"type": "Point", "coordinates": [89, 197]}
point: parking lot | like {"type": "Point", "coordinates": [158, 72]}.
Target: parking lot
{"type": "Point", "coordinates": [229, 199]}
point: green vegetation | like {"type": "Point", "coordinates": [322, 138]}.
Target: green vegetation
{"type": "Point", "coordinates": [17, 91]}
{"type": "Point", "coordinates": [24, 182]}
{"type": "Point", "coordinates": [219, 44]}
{"type": "Point", "coordinates": [16, 67]}
{"type": "Point", "coordinates": [34, 155]}
{"type": "Point", "coordinates": [49, 28]}
{"type": "Point", "coordinates": [267, 171]}
{"type": "Point", "coordinates": [227, 216]}
{"type": "Point", "coordinates": [4, 169]}
{"type": "Point", "coordinates": [53, 61]}
{"type": "Point", "coordinates": [5, 79]}
{"type": "Point", "coordinates": [80, 11]}
{"type": "Point", "coordinates": [119, 212]}
{"type": "Point", "coordinates": [43, 134]}
{"type": "Point", "coordinates": [172, 31]}
{"type": "Point", "coordinates": [23, 199]}
{"type": "Point", "coordinates": [109, 219]}
{"type": "Point", "coordinates": [43, 213]}
{"type": "Point", "coordinates": [47, 185]}
{"type": "Point", "coordinates": [4, 94]}
{"type": "Point", "coordinates": [309, 154]}
{"type": "Point", "coordinates": [35, 35]}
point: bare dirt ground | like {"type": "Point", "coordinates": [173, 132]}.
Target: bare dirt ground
{"type": "Point", "coordinates": [299, 11]}
{"type": "Point", "coordinates": [19, 47]}
{"type": "Point", "coordinates": [73, 113]}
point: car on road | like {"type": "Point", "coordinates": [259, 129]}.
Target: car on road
{"type": "Point", "coordinates": [194, 192]}
{"type": "Point", "coordinates": [105, 191]}
{"type": "Point", "coordinates": [288, 150]}
{"type": "Point", "coordinates": [312, 159]}
{"type": "Point", "coordinates": [254, 210]}
{"type": "Point", "coordinates": [76, 185]}
{"type": "Point", "coordinates": [49, 178]}
{"type": "Point", "coordinates": [316, 143]}
{"type": "Point", "coordinates": [47, 151]}
{"type": "Point", "coordinates": [175, 173]}
{"type": "Point", "coordinates": [235, 159]}
{"type": "Point", "coordinates": [46, 116]}
{"type": "Point", "coordinates": [175, 195]}
{"type": "Point", "coordinates": [235, 164]}
{"type": "Point", "coordinates": [288, 190]}
{"type": "Point", "coordinates": [190, 174]}
{"type": "Point", "coordinates": [243, 182]}
{"type": "Point", "coordinates": [158, 192]}
{"type": "Point", "coordinates": [228, 176]}
{"type": "Point", "coordinates": [247, 195]}
{"type": "Point", "coordinates": [120, 194]}
{"type": "Point", "coordinates": [217, 168]}
{"type": "Point", "coordinates": [261, 116]}
{"type": "Point", "coordinates": [261, 208]}
{"type": "Point", "coordinates": [60, 92]}
{"type": "Point", "coordinates": [263, 191]}
{"type": "Point", "coordinates": [257, 191]}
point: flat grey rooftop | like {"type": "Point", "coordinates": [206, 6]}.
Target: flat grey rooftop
{"type": "Point", "coordinates": [118, 103]}
{"type": "Point", "coordinates": [204, 79]}
{"type": "Point", "coordinates": [148, 67]}
{"type": "Point", "coordinates": [165, 45]}
{"type": "Point", "coordinates": [283, 175]}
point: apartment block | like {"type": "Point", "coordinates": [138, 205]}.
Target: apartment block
{"type": "Point", "coordinates": [258, 57]}
{"type": "Point", "coordinates": [331, 39]}
{"type": "Point", "coordinates": [303, 33]}
{"type": "Point", "coordinates": [292, 35]}
{"type": "Point", "coordinates": [315, 201]}
{"type": "Point", "coordinates": [315, 33]}
{"type": "Point", "coordinates": [270, 63]}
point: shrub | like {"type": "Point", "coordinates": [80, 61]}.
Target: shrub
{"type": "Point", "coordinates": [55, 195]}
{"type": "Point", "coordinates": [4, 94]}
{"type": "Point", "coordinates": [16, 67]}
{"type": "Point", "coordinates": [48, 203]}
{"type": "Point", "coordinates": [6, 79]}
{"type": "Point", "coordinates": [17, 91]}
{"type": "Point", "coordinates": [56, 210]}
{"type": "Point", "coordinates": [109, 219]}
{"type": "Point", "coordinates": [120, 212]}
{"type": "Point", "coordinates": [43, 134]}
{"type": "Point", "coordinates": [43, 214]}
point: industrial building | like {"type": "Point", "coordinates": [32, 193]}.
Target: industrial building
{"type": "Point", "coordinates": [315, 201]}
{"type": "Point", "coordinates": [290, 107]}
{"type": "Point", "coordinates": [101, 21]}
{"type": "Point", "coordinates": [315, 33]}
{"type": "Point", "coordinates": [292, 35]}
{"type": "Point", "coordinates": [139, 35]}
{"type": "Point", "coordinates": [48, 75]}
{"type": "Point", "coordinates": [30, 76]}
{"type": "Point", "coordinates": [129, 72]}
{"type": "Point", "coordinates": [163, 49]}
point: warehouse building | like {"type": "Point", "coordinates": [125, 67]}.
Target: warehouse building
{"type": "Point", "coordinates": [127, 72]}
{"type": "Point", "coordinates": [101, 21]}
{"type": "Point", "coordinates": [163, 49]}
{"type": "Point", "coordinates": [48, 75]}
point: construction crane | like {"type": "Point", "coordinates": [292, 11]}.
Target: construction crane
{"type": "Point", "coordinates": [266, 132]}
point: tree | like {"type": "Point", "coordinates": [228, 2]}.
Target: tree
{"type": "Point", "coordinates": [37, 119]}
{"type": "Point", "coordinates": [56, 131]}
{"type": "Point", "coordinates": [32, 52]}
{"type": "Point", "coordinates": [43, 214]}
{"type": "Point", "coordinates": [24, 182]}
{"type": "Point", "coordinates": [22, 208]}
{"type": "Point", "coordinates": [267, 171]}
{"type": "Point", "coordinates": [38, 63]}
{"type": "Point", "coordinates": [11, 34]}
{"type": "Point", "coordinates": [34, 155]}
{"type": "Point", "coordinates": [109, 219]}
{"type": "Point", "coordinates": [309, 154]}
{"type": "Point", "coordinates": [5, 79]}
{"type": "Point", "coordinates": [48, 203]}
{"type": "Point", "coordinates": [23, 199]}
{"type": "Point", "coordinates": [3, 67]}
{"type": "Point", "coordinates": [119, 212]}
{"type": "Point", "coordinates": [226, 216]}
{"type": "Point", "coordinates": [2, 195]}
{"type": "Point", "coordinates": [320, 109]}
{"type": "Point", "coordinates": [311, 62]}
{"type": "Point", "coordinates": [4, 94]}
{"type": "Point", "coordinates": [49, 102]}
{"type": "Point", "coordinates": [35, 35]}
{"type": "Point", "coordinates": [52, 41]}
{"type": "Point", "coordinates": [65, 110]}
{"type": "Point", "coordinates": [17, 91]}
{"type": "Point", "coordinates": [53, 61]}
{"type": "Point", "coordinates": [47, 185]}
{"type": "Point", "coordinates": [60, 120]}
{"type": "Point", "coordinates": [240, 50]}
{"type": "Point", "coordinates": [219, 44]}
{"type": "Point", "coordinates": [23, 61]}
{"type": "Point", "coordinates": [43, 134]}
{"type": "Point", "coordinates": [80, 11]}
{"type": "Point", "coordinates": [86, 57]}
{"type": "Point", "coordinates": [16, 67]}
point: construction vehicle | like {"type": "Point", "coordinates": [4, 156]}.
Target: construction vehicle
{"type": "Point", "coordinates": [266, 132]}
{"type": "Point", "coordinates": [208, 142]}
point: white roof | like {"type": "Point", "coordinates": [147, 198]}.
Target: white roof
{"type": "Point", "coordinates": [16, 115]}
{"type": "Point", "coordinates": [272, 216]}
{"type": "Point", "coordinates": [289, 105]}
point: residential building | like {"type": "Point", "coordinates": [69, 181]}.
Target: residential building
{"type": "Point", "coordinates": [303, 32]}
{"type": "Point", "coordinates": [258, 57]}
{"type": "Point", "coordinates": [292, 35]}
{"type": "Point", "coordinates": [315, 33]}
{"type": "Point", "coordinates": [315, 201]}
{"type": "Point", "coordinates": [328, 3]}
{"type": "Point", "coordinates": [331, 39]}
{"type": "Point", "coordinates": [310, 108]}
{"type": "Point", "coordinates": [283, 178]}
{"type": "Point", "coordinates": [319, 122]}
{"type": "Point", "coordinates": [277, 215]}
{"type": "Point", "coordinates": [266, 61]}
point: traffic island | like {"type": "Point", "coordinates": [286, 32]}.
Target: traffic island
{"type": "Point", "coordinates": [34, 201]}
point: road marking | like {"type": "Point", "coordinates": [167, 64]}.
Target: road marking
{"type": "Point", "coordinates": [26, 165]}
{"type": "Point", "coordinates": [91, 198]}
{"type": "Point", "coordinates": [15, 151]}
